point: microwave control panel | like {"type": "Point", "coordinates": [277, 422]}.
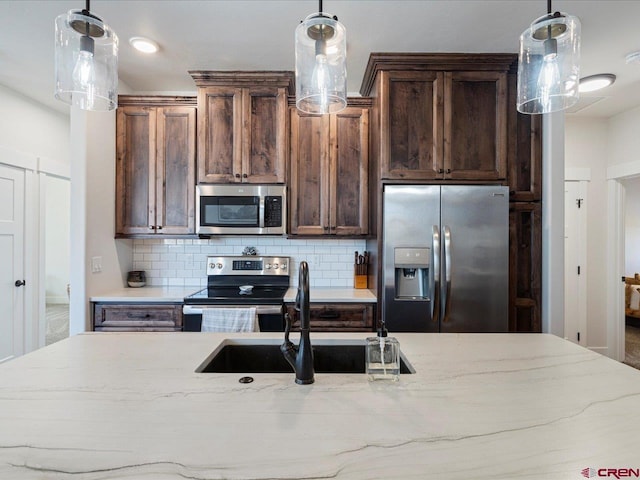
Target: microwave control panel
{"type": "Point", "coordinates": [273, 211]}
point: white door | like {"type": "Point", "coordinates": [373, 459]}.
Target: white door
{"type": "Point", "coordinates": [575, 268]}
{"type": "Point", "coordinates": [12, 262]}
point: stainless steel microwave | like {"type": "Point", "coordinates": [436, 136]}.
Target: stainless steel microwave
{"type": "Point", "coordinates": [244, 209]}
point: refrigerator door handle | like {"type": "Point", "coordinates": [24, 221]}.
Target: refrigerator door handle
{"type": "Point", "coordinates": [434, 274]}
{"type": "Point", "coordinates": [446, 233]}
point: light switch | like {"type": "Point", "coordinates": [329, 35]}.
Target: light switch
{"type": "Point", "coordinates": [96, 264]}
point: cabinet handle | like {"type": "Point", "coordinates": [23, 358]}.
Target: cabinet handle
{"type": "Point", "coordinates": [159, 227]}
{"type": "Point", "coordinates": [333, 227]}
{"type": "Point", "coordinates": [20, 283]}
{"type": "Point", "coordinates": [440, 170]}
{"type": "Point", "coordinates": [152, 227]}
{"type": "Point", "coordinates": [326, 228]}
{"type": "Point", "coordinates": [244, 175]}
{"type": "Point", "coordinates": [448, 170]}
{"type": "Point", "coordinates": [237, 175]}
{"type": "Point", "coordinates": [329, 315]}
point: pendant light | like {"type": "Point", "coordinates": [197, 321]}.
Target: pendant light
{"type": "Point", "coordinates": [548, 64]}
{"type": "Point", "coordinates": [321, 64]}
{"type": "Point", "coordinates": [86, 61]}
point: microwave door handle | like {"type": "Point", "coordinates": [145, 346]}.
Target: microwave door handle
{"type": "Point", "coordinates": [261, 212]}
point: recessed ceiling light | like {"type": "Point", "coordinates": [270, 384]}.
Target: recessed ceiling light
{"type": "Point", "coordinates": [143, 44]}
{"type": "Point", "coordinates": [596, 82]}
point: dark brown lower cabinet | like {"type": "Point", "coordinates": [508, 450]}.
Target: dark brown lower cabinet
{"type": "Point", "coordinates": [337, 317]}
{"type": "Point", "coordinates": [525, 265]}
{"type": "Point", "coordinates": [137, 317]}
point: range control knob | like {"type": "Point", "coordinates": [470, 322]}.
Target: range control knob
{"type": "Point", "coordinates": [219, 265]}
{"type": "Point", "coordinates": [283, 266]}
{"type": "Point", "coordinates": [212, 265]}
{"type": "Point", "coordinates": [275, 265]}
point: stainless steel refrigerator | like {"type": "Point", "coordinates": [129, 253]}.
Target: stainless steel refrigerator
{"type": "Point", "coordinates": [445, 258]}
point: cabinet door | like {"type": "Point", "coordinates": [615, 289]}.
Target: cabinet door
{"type": "Point", "coordinates": [525, 267]}
{"type": "Point", "coordinates": [264, 144]}
{"type": "Point", "coordinates": [524, 151]}
{"type": "Point", "coordinates": [349, 174]}
{"type": "Point", "coordinates": [336, 317]}
{"type": "Point", "coordinates": [411, 125]}
{"type": "Point", "coordinates": [475, 125]}
{"type": "Point", "coordinates": [220, 135]}
{"type": "Point", "coordinates": [309, 193]}
{"type": "Point", "coordinates": [135, 170]}
{"type": "Point", "coordinates": [175, 183]}
{"type": "Point", "coordinates": [134, 317]}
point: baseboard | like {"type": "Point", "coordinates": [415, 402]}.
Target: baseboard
{"type": "Point", "coordinates": [57, 300]}
{"type": "Point", "coordinates": [600, 350]}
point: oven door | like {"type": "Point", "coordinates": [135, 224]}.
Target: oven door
{"type": "Point", "coordinates": [270, 317]}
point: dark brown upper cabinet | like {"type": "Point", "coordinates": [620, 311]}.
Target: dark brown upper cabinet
{"type": "Point", "coordinates": [329, 184]}
{"type": "Point", "coordinates": [524, 152]}
{"type": "Point", "coordinates": [442, 116]}
{"type": "Point", "coordinates": [242, 126]}
{"type": "Point", "coordinates": [155, 165]}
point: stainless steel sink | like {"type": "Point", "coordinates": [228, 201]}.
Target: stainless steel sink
{"type": "Point", "coordinates": [260, 356]}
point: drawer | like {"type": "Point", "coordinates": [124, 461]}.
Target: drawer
{"type": "Point", "coordinates": [137, 317]}
{"type": "Point", "coordinates": [336, 317]}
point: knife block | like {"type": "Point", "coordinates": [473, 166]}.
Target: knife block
{"type": "Point", "coordinates": [359, 281]}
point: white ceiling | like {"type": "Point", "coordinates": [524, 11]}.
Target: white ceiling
{"type": "Point", "coordinates": [258, 35]}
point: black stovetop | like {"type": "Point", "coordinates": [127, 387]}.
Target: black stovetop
{"type": "Point", "coordinates": [260, 295]}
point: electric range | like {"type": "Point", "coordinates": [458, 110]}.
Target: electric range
{"type": "Point", "coordinates": [267, 277]}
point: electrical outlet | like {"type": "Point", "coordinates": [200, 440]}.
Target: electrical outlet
{"type": "Point", "coordinates": [96, 264]}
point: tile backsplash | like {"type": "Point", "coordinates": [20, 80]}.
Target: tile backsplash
{"type": "Point", "coordinates": [178, 263]}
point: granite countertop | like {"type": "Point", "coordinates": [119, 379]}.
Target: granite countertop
{"type": "Point", "coordinates": [480, 406]}
{"type": "Point", "coordinates": [177, 294]}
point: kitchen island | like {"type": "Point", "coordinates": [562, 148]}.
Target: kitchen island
{"type": "Point", "coordinates": [130, 406]}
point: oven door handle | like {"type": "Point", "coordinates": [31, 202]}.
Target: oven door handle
{"type": "Point", "coordinates": [260, 309]}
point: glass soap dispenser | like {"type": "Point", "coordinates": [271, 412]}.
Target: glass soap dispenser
{"type": "Point", "coordinates": [383, 357]}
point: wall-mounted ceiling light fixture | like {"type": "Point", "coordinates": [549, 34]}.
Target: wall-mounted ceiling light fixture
{"type": "Point", "coordinates": [321, 64]}
{"type": "Point", "coordinates": [144, 45]}
{"type": "Point", "coordinates": [86, 61]}
{"type": "Point", "coordinates": [549, 63]}
{"type": "Point", "coordinates": [596, 82]}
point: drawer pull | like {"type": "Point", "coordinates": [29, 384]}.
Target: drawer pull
{"type": "Point", "coordinates": [138, 315]}
{"type": "Point", "coordinates": [329, 315]}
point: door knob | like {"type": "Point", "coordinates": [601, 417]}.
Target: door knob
{"type": "Point", "coordinates": [20, 283]}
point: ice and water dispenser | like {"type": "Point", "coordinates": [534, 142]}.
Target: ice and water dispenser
{"type": "Point", "coordinates": [412, 273]}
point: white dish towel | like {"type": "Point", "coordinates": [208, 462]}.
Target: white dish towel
{"type": "Point", "coordinates": [230, 320]}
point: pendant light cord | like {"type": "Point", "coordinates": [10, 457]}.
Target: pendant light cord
{"type": "Point", "coordinates": [319, 10]}
{"type": "Point", "coordinates": [549, 9]}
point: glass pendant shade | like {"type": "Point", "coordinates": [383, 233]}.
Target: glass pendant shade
{"type": "Point", "coordinates": [321, 64]}
{"type": "Point", "coordinates": [549, 64]}
{"type": "Point", "coordinates": [86, 61]}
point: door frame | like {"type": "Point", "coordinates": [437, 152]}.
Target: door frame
{"type": "Point", "coordinates": [616, 255]}
{"type": "Point", "coordinates": [581, 176]}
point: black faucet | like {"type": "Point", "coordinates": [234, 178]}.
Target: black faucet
{"type": "Point", "coordinates": [300, 357]}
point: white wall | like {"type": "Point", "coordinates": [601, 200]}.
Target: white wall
{"type": "Point", "coordinates": [624, 137]}
{"type": "Point", "coordinates": [30, 127]}
{"type": "Point", "coordinates": [56, 234]}
{"type": "Point", "coordinates": [586, 146]}
{"type": "Point", "coordinates": [93, 214]}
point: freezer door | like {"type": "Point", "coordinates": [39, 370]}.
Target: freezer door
{"type": "Point", "coordinates": [475, 257]}
{"type": "Point", "coordinates": [410, 213]}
